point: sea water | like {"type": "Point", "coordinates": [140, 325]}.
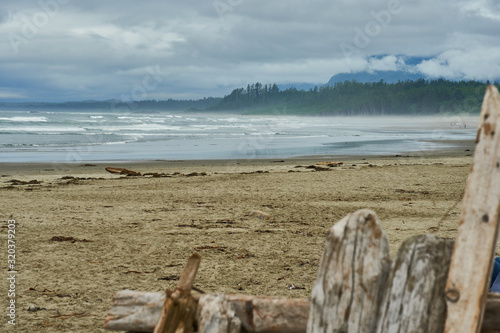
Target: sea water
{"type": "Point", "coordinates": [78, 136]}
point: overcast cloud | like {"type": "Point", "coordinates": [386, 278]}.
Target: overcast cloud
{"type": "Point", "coordinates": [57, 50]}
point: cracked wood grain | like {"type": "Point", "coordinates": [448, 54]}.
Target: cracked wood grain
{"type": "Point", "coordinates": [471, 264]}
{"type": "Point", "coordinates": [216, 315]}
{"type": "Point", "coordinates": [414, 299]}
{"type": "Point", "coordinates": [351, 277]}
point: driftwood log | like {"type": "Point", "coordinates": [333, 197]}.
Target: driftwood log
{"type": "Point", "coordinates": [134, 311]}
{"type": "Point", "coordinates": [471, 264]}
{"type": "Point", "coordinates": [413, 301]}
{"type": "Point", "coordinates": [122, 171]}
{"type": "Point", "coordinates": [140, 311]}
{"type": "Point", "coordinates": [216, 315]}
{"type": "Point", "coordinates": [352, 276]}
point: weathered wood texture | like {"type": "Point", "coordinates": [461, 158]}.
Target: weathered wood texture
{"type": "Point", "coordinates": [134, 311]}
{"type": "Point", "coordinates": [414, 300]}
{"type": "Point", "coordinates": [216, 315]}
{"type": "Point", "coordinates": [271, 314]}
{"type": "Point", "coordinates": [179, 310]}
{"type": "Point", "coordinates": [471, 264]}
{"type": "Point", "coordinates": [352, 276]}
{"type": "Point", "coordinates": [139, 312]}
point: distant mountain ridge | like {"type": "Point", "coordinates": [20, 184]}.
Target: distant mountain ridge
{"type": "Point", "coordinates": [365, 77]}
{"type": "Point", "coordinates": [361, 77]}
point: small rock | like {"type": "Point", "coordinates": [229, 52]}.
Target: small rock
{"type": "Point", "coordinates": [34, 308]}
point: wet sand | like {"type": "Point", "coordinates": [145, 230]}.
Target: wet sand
{"type": "Point", "coordinates": [136, 232]}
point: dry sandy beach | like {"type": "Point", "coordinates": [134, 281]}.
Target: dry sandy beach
{"type": "Point", "coordinates": [136, 232]}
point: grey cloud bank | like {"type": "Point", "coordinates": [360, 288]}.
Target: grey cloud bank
{"type": "Point", "coordinates": [58, 50]}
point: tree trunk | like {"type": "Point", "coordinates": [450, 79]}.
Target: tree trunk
{"type": "Point", "coordinates": [414, 299]}
{"type": "Point", "coordinates": [352, 276]}
{"type": "Point", "coordinates": [472, 261]}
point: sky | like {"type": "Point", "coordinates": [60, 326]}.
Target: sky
{"type": "Point", "coordinates": [61, 50]}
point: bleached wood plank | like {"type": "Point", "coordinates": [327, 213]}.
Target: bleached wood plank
{"type": "Point", "coordinates": [471, 264]}
{"type": "Point", "coordinates": [352, 276]}
{"type": "Point", "coordinates": [414, 297]}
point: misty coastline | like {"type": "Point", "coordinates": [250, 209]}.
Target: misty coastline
{"type": "Point", "coordinates": [90, 136]}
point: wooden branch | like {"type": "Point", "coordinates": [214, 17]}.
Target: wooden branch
{"type": "Point", "coordinates": [352, 276]}
{"type": "Point", "coordinates": [216, 315]}
{"type": "Point", "coordinates": [414, 298]}
{"type": "Point", "coordinates": [471, 264]}
{"type": "Point", "coordinates": [139, 312]}
{"type": "Point", "coordinates": [179, 309]}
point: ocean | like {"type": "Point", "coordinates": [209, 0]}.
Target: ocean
{"type": "Point", "coordinates": [94, 136]}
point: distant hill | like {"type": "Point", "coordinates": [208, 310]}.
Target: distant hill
{"type": "Point", "coordinates": [376, 76]}
{"type": "Point", "coordinates": [361, 77]}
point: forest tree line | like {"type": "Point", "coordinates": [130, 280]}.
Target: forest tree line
{"type": "Point", "coordinates": [420, 97]}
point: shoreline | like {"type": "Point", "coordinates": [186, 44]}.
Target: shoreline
{"type": "Point", "coordinates": [457, 148]}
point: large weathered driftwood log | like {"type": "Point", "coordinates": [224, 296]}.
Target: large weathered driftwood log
{"type": "Point", "coordinates": [139, 312]}
{"type": "Point", "coordinates": [414, 297]}
{"type": "Point", "coordinates": [352, 276]}
{"type": "Point", "coordinates": [471, 264]}
{"type": "Point", "coordinates": [216, 315]}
